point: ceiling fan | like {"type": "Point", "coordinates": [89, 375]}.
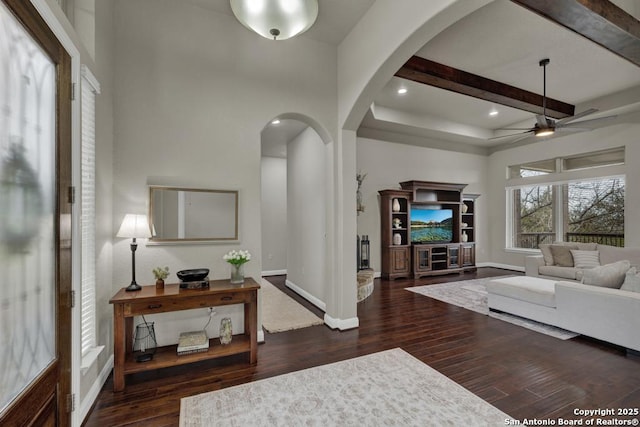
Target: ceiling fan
{"type": "Point", "coordinates": [546, 126]}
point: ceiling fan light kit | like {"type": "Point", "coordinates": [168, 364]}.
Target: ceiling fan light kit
{"type": "Point", "coordinates": [276, 19]}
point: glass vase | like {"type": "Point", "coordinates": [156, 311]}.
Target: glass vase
{"type": "Point", "coordinates": [237, 273]}
{"type": "Point", "coordinates": [226, 331]}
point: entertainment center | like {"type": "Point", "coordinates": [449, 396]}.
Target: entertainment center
{"type": "Point", "coordinates": [427, 228]}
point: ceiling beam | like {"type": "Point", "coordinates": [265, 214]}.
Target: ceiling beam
{"type": "Point", "coordinates": [444, 77]}
{"type": "Point", "coordinates": [600, 21]}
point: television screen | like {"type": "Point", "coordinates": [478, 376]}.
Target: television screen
{"type": "Point", "coordinates": [429, 225]}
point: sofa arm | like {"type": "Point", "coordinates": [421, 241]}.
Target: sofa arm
{"type": "Point", "coordinates": [531, 264]}
{"type": "Point", "coordinates": [607, 314]}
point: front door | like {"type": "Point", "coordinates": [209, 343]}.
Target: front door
{"type": "Point", "coordinates": [35, 220]}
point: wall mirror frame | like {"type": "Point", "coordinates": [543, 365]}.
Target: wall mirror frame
{"type": "Point", "coordinates": [187, 215]}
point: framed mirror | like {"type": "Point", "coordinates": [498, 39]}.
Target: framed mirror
{"type": "Point", "coordinates": [190, 214]}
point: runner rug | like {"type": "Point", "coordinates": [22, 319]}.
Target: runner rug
{"type": "Point", "coordinates": [281, 313]}
{"type": "Point", "coordinates": [380, 389]}
{"type": "Point", "coordinates": [472, 295]}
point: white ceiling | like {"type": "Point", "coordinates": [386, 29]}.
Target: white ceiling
{"type": "Point", "coordinates": [501, 41]}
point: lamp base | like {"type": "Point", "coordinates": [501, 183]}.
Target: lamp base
{"type": "Point", "coordinates": [133, 287]}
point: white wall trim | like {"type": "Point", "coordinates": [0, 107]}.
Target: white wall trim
{"type": "Point", "coordinates": [92, 394]}
{"type": "Point", "coordinates": [274, 272]}
{"type": "Point", "coordinates": [377, 274]}
{"type": "Point", "coordinates": [260, 335]}
{"type": "Point", "coordinates": [341, 324]}
{"type": "Point", "coordinates": [503, 266]}
{"type": "Point", "coordinates": [306, 295]}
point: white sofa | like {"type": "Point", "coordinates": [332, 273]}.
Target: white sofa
{"type": "Point", "coordinates": [611, 315]}
{"type": "Point", "coordinates": [543, 265]}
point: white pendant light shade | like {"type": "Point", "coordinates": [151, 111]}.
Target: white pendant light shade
{"type": "Point", "coordinates": [276, 19]}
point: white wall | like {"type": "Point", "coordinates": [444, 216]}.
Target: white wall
{"type": "Point", "coordinates": [274, 214]}
{"type": "Point", "coordinates": [194, 89]}
{"type": "Point", "coordinates": [306, 214]}
{"type": "Point", "coordinates": [387, 164]}
{"type": "Point", "coordinates": [614, 136]}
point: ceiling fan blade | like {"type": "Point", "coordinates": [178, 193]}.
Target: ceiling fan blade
{"type": "Point", "coordinates": [577, 116]}
{"type": "Point", "coordinates": [572, 129]}
{"type": "Point", "coordinates": [589, 122]}
{"type": "Point", "coordinates": [510, 135]}
{"type": "Point", "coordinates": [529, 129]}
{"type": "Point", "coordinates": [521, 138]}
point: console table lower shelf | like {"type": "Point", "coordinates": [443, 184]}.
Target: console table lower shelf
{"type": "Point", "coordinates": [150, 300]}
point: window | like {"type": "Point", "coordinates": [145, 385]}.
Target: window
{"type": "Point", "coordinates": [89, 89]}
{"type": "Point", "coordinates": [572, 199]}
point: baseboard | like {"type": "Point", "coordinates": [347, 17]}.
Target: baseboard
{"type": "Point", "coordinates": [306, 295]}
{"type": "Point", "coordinates": [502, 266]}
{"type": "Point", "coordinates": [341, 324]}
{"type": "Point", "coordinates": [92, 394]}
{"type": "Point", "coordinates": [274, 273]}
{"type": "Point", "coordinates": [377, 274]}
{"type": "Point", "coordinates": [260, 335]}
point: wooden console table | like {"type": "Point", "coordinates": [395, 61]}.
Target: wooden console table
{"type": "Point", "coordinates": [150, 300]}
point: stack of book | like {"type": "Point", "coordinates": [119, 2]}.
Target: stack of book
{"type": "Point", "coordinates": [193, 342]}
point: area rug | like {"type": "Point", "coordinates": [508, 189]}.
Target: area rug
{"type": "Point", "coordinates": [381, 389]}
{"type": "Point", "coordinates": [472, 295]}
{"type": "Point", "coordinates": [281, 313]}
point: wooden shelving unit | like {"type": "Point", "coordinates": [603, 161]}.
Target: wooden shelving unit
{"type": "Point", "coordinates": [396, 256]}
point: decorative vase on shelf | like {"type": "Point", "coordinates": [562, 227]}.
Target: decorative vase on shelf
{"type": "Point", "coordinates": [465, 208]}
{"type": "Point", "coordinates": [226, 331]}
{"type": "Point", "coordinates": [465, 236]}
{"type": "Point", "coordinates": [159, 284]}
{"type": "Point", "coordinates": [396, 205]}
{"type": "Point", "coordinates": [237, 273]}
{"type": "Point", "coordinates": [397, 239]}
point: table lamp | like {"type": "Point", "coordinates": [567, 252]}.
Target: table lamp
{"type": "Point", "coordinates": [134, 226]}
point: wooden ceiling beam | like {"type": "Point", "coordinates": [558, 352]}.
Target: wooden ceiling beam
{"type": "Point", "coordinates": [600, 21]}
{"type": "Point", "coordinates": [444, 77]}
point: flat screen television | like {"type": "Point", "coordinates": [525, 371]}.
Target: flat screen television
{"type": "Point", "coordinates": [431, 225]}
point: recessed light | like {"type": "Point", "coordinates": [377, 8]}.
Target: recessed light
{"type": "Point", "coordinates": [493, 113]}
{"type": "Point", "coordinates": [402, 91]}
{"type": "Point", "coordinates": [275, 122]}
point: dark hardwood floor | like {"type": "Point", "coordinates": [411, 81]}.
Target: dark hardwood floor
{"type": "Point", "coordinates": [523, 373]}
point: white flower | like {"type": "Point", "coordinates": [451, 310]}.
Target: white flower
{"type": "Point", "coordinates": [237, 257]}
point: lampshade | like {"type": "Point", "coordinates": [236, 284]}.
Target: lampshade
{"type": "Point", "coordinates": [134, 226]}
{"type": "Point", "coordinates": [276, 19]}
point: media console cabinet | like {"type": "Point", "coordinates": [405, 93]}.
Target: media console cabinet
{"type": "Point", "coordinates": [150, 300]}
{"type": "Point", "coordinates": [402, 255]}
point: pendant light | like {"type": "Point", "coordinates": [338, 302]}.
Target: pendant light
{"type": "Point", "coordinates": [276, 19]}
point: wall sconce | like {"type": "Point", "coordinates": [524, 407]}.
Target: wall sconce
{"type": "Point", "coordinates": [134, 226]}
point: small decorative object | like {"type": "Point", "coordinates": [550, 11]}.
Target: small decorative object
{"type": "Point", "coordinates": [360, 206]}
{"type": "Point", "coordinates": [465, 208]}
{"type": "Point", "coordinates": [226, 331]}
{"type": "Point", "coordinates": [397, 239]}
{"type": "Point", "coordinates": [144, 342]}
{"type": "Point", "coordinates": [364, 252]}
{"type": "Point", "coordinates": [464, 225]}
{"type": "Point", "coordinates": [194, 278]}
{"type": "Point", "coordinates": [395, 206]}
{"type": "Point", "coordinates": [397, 223]}
{"type": "Point", "coordinates": [465, 236]}
{"type": "Point", "coordinates": [160, 274]}
{"type": "Point", "coordinates": [237, 259]}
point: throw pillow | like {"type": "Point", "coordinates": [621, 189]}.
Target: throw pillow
{"type": "Point", "coordinates": [631, 281]}
{"type": "Point", "coordinates": [608, 276]}
{"type": "Point", "coordinates": [562, 255]}
{"type": "Point", "coordinates": [585, 259]}
{"type": "Point", "coordinates": [545, 249]}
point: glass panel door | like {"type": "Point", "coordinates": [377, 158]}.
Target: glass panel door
{"type": "Point", "coordinates": [27, 208]}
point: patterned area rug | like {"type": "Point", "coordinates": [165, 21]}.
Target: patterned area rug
{"type": "Point", "coordinates": [472, 295]}
{"type": "Point", "coordinates": [282, 313]}
{"type": "Point", "coordinates": [381, 389]}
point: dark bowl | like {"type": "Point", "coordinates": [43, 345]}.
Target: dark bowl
{"type": "Point", "coordinates": [193, 275]}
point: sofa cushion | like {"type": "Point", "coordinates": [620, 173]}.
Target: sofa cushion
{"type": "Point", "coordinates": [560, 272]}
{"type": "Point", "coordinates": [562, 255]}
{"type": "Point", "coordinates": [585, 259]}
{"type": "Point", "coordinates": [631, 281]}
{"type": "Point", "coordinates": [524, 288]}
{"type": "Point", "coordinates": [608, 276]}
{"type": "Point", "coordinates": [545, 249]}
{"type": "Point", "coordinates": [609, 254]}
